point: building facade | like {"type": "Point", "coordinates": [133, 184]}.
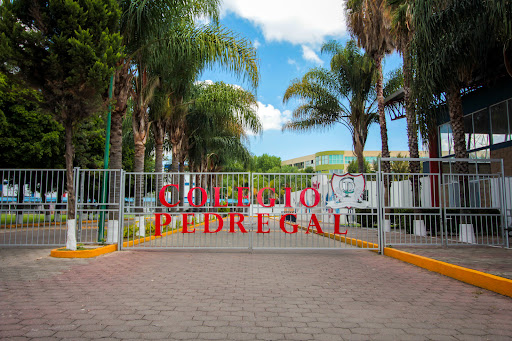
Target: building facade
{"type": "Point", "coordinates": [337, 161]}
{"type": "Point", "coordinates": [487, 123]}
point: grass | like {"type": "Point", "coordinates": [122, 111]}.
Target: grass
{"type": "Point", "coordinates": [10, 219]}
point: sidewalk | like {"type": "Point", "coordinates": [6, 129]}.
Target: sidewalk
{"type": "Point", "coordinates": [347, 295]}
{"type": "Point", "coordinates": [493, 260]}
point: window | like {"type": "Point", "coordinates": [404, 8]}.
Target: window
{"type": "Point", "coordinates": [348, 159]}
{"type": "Point", "coordinates": [481, 128]}
{"type": "Point", "coordinates": [468, 128]}
{"type": "Point", "coordinates": [335, 159]}
{"type": "Point", "coordinates": [318, 161]}
{"type": "Point", "coordinates": [499, 123]}
{"type": "Point", "coordinates": [446, 137]}
{"type": "Point", "coordinates": [325, 159]}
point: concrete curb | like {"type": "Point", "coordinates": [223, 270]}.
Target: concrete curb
{"type": "Point", "coordinates": [58, 253]}
{"type": "Point", "coordinates": [480, 279]}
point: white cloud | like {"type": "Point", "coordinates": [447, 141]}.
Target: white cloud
{"type": "Point", "coordinates": [256, 44]}
{"type": "Point", "coordinates": [304, 22]}
{"type": "Point", "coordinates": [272, 118]}
{"type": "Point", "coordinates": [310, 55]}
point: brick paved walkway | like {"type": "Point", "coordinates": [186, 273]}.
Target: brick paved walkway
{"type": "Point", "coordinates": [240, 296]}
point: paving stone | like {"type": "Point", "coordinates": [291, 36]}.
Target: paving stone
{"type": "Point", "coordinates": [242, 296]}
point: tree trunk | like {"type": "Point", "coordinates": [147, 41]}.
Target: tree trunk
{"type": "Point", "coordinates": [159, 134]}
{"type": "Point", "coordinates": [140, 133]}
{"type": "Point", "coordinates": [382, 115]}
{"type": "Point", "coordinates": [412, 129]}
{"type": "Point", "coordinates": [120, 96]}
{"type": "Point", "coordinates": [358, 150]}
{"type": "Point", "coordinates": [459, 143]}
{"type": "Point", "coordinates": [386, 168]}
{"type": "Point", "coordinates": [70, 153]}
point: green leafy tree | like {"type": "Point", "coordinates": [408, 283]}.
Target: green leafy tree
{"type": "Point", "coordinates": [265, 162]}
{"type": "Point", "coordinates": [67, 52]}
{"type": "Point", "coordinates": [353, 167]}
{"type": "Point", "coordinates": [29, 136]}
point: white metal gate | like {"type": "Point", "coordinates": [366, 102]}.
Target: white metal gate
{"type": "Point", "coordinates": [438, 206]}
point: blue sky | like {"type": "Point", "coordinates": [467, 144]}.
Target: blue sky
{"type": "Point", "coordinates": [288, 38]}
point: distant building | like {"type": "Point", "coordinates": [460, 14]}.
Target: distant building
{"type": "Point", "coordinates": [337, 161]}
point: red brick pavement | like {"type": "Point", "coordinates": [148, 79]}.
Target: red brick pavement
{"type": "Point", "coordinates": [351, 295]}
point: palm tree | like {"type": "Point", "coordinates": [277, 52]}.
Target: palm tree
{"type": "Point", "coordinates": [219, 116]}
{"type": "Point", "coordinates": [143, 24]}
{"type": "Point", "coordinates": [402, 30]}
{"type": "Point", "coordinates": [211, 45]}
{"type": "Point", "coordinates": [370, 22]}
{"type": "Point", "coordinates": [452, 43]}
{"type": "Point", "coordinates": [350, 79]}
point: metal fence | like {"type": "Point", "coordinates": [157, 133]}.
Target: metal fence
{"type": "Point", "coordinates": [186, 210]}
{"type": "Point", "coordinates": [449, 202]}
{"type": "Point", "coordinates": [33, 207]}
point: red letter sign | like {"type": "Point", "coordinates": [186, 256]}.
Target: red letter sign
{"type": "Point", "coordinates": [287, 196]}
{"type": "Point", "coordinates": [217, 196]}
{"type": "Point", "coordinates": [207, 222]}
{"type": "Point", "coordinates": [261, 223]}
{"type": "Point", "coordinates": [186, 222]}
{"type": "Point", "coordinates": [260, 197]}
{"type": "Point", "coordinates": [241, 197]}
{"type": "Point", "coordinates": [163, 201]}
{"type": "Point", "coordinates": [303, 197]}
{"type": "Point", "coordinates": [282, 223]}
{"type": "Point", "coordinates": [232, 222]}
{"type": "Point", "coordinates": [315, 222]}
{"type": "Point", "coordinates": [158, 222]}
{"type": "Point", "coordinates": [203, 195]}
{"type": "Point", "coordinates": [337, 225]}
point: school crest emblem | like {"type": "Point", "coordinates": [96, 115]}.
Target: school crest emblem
{"type": "Point", "coordinates": [348, 191]}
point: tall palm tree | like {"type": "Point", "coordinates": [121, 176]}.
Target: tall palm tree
{"type": "Point", "coordinates": [403, 30]}
{"type": "Point", "coordinates": [452, 42]}
{"type": "Point", "coordinates": [219, 117]}
{"type": "Point", "coordinates": [370, 22]}
{"type": "Point", "coordinates": [144, 23]}
{"type": "Point", "coordinates": [179, 70]}
{"type": "Point", "coordinates": [324, 92]}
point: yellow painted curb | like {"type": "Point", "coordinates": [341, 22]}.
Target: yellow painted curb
{"type": "Point", "coordinates": [480, 279]}
{"type": "Point", "coordinates": [58, 253]}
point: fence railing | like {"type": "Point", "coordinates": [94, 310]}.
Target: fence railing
{"type": "Point", "coordinates": [449, 202]}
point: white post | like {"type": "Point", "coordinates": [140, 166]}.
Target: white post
{"type": "Point", "coordinates": [467, 234]}
{"type": "Point", "coordinates": [419, 228]}
{"type": "Point", "coordinates": [71, 237]}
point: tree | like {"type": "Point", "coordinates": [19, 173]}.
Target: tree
{"type": "Point", "coordinates": [219, 116]}
{"type": "Point", "coordinates": [324, 92]}
{"type": "Point", "coordinates": [370, 22]}
{"type": "Point", "coordinates": [212, 45]}
{"type": "Point", "coordinates": [353, 167]}
{"type": "Point", "coordinates": [143, 26]}
{"type": "Point", "coordinates": [29, 136]}
{"type": "Point", "coordinates": [265, 162]}
{"type": "Point", "coordinates": [67, 51]}
{"type": "Point", "coordinates": [403, 30]}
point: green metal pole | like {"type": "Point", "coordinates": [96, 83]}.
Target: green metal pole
{"type": "Point", "coordinates": [101, 223]}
